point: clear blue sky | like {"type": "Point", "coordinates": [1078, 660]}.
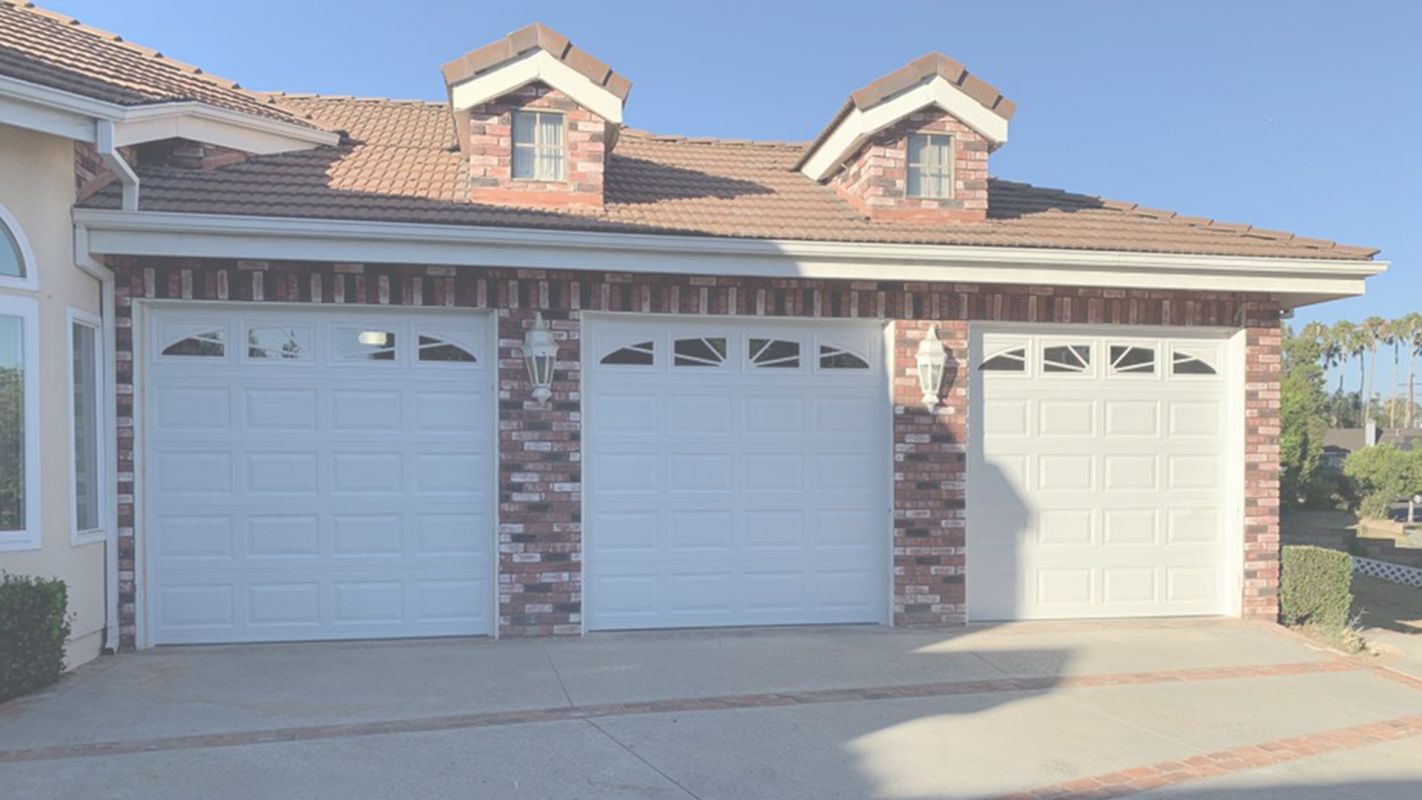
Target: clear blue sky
{"type": "Point", "coordinates": [1286, 115]}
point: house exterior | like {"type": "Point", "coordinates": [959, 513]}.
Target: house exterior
{"type": "Point", "coordinates": [854, 380]}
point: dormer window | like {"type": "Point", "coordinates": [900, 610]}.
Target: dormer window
{"type": "Point", "coordinates": [538, 149]}
{"type": "Point", "coordinates": [930, 166]}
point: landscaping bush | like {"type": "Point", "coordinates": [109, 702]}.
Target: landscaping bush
{"type": "Point", "coordinates": [1316, 587]}
{"type": "Point", "coordinates": [34, 622]}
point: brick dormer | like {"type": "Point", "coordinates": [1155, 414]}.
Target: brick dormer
{"type": "Point", "coordinates": [914, 145]}
{"type": "Point", "coordinates": [536, 119]}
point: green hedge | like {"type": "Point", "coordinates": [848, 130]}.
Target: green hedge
{"type": "Point", "coordinates": [34, 622]}
{"type": "Point", "coordinates": [1316, 587]}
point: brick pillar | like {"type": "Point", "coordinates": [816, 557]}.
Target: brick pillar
{"type": "Point", "coordinates": [540, 485]}
{"type": "Point", "coordinates": [930, 449]}
{"type": "Point", "coordinates": [1263, 367]}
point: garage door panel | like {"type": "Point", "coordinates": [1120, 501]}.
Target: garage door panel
{"type": "Point", "coordinates": [1095, 494]}
{"type": "Point", "coordinates": [347, 498]}
{"type": "Point", "coordinates": [738, 494]}
{"type": "Point", "coordinates": [196, 409]}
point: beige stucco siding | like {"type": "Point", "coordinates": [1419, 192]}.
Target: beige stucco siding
{"type": "Point", "coordinates": [37, 187]}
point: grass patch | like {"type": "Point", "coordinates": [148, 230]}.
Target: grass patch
{"type": "Point", "coordinates": [1383, 604]}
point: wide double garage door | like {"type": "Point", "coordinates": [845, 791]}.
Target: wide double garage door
{"type": "Point", "coordinates": [317, 474]}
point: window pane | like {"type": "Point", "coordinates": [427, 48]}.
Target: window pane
{"type": "Point", "coordinates": [917, 148]}
{"type": "Point", "coordinates": [86, 428]}
{"type": "Point", "coordinates": [550, 130]}
{"type": "Point", "coordinates": [550, 164]}
{"type": "Point", "coordinates": [523, 124]}
{"type": "Point", "coordinates": [9, 254]}
{"type": "Point", "coordinates": [942, 150]}
{"type": "Point", "coordinates": [523, 162]}
{"type": "Point", "coordinates": [12, 424]}
{"type": "Point", "coordinates": [915, 182]}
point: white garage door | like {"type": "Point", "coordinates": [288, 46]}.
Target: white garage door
{"type": "Point", "coordinates": [1096, 476]}
{"type": "Point", "coordinates": [317, 474]}
{"type": "Point", "coordinates": [737, 473]}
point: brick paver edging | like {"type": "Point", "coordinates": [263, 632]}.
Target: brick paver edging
{"type": "Point", "coordinates": [721, 703]}
{"type": "Point", "coordinates": [1225, 762]}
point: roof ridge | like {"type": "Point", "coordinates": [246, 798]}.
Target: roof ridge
{"type": "Point", "coordinates": [645, 135]}
{"type": "Point", "coordinates": [146, 52]}
{"type": "Point", "coordinates": [277, 96]}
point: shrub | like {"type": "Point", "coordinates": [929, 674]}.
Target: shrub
{"type": "Point", "coordinates": [1316, 587]}
{"type": "Point", "coordinates": [34, 623]}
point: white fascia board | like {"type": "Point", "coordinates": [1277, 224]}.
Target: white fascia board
{"type": "Point", "coordinates": [539, 65]}
{"type": "Point", "coordinates": [29, 105]}
{"type": "Point", "coordinates": [857, 126]}
{"type": "Point", "coordinates": [150, 233]}
{"type": "Point", "coordinates": [217, 126]}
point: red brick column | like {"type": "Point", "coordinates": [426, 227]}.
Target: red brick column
{"type": "Point", "coordinates": [1263, 365]}
{"type": "Point", "coordinates": [540, 484]}
{"type": "Point", "coordinates": [930, 449]}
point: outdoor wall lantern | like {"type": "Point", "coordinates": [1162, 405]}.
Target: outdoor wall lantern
{"type": "Point", "coordinates": [932, 360]}
{"type": "Point", "coordinates": [539, 353]}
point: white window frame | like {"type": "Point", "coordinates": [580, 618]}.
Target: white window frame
{"type": "Point", "coordinates": [538, 146]}
{"type": "Point", "coordinates": [27, 278]}
{"type": "Point", "coordinates": [101, 474]}
{"type": "Point", "coordinates": [27, 310]}
{"type": "Point", "coordinates": [946, 171]}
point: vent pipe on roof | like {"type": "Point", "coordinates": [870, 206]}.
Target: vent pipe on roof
{"type": "Point", "coordinates": [104, 142]}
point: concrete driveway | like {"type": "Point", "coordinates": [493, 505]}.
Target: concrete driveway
{"type": "Point", "coordinates": [1151, 709]}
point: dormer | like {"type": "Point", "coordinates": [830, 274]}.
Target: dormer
{"type": "Point", "coordinates": [914, 144]}
{"type": "Point", "coordinates": [536, 119]}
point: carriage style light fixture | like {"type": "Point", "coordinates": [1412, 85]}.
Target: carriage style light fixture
{"type": "Point", "coordinates": [539, 353]}
{"type": "Point", "coordinates": [932, 359]}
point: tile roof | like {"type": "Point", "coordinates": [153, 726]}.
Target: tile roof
{"type": "Point", "coordinates": [399, 161]}
{"type": "Point", "coordinates": [42, 47]}
{"type": "Point", "coordinates": [925, 67]}
{"type": "Point", "coordinates": [536, 37]}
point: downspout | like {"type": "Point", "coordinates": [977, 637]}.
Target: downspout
{"type": "Point", "coordinates": [104, 143]}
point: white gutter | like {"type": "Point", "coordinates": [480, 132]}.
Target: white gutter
{"type": "Point", "coordinates": [105, 276]}
{"type": "Point", "coordinates": [149, 122]}
{"type": "Point", "coordinates": [149, 233]}
{"type": "Point", "coordinates": [108, 151]}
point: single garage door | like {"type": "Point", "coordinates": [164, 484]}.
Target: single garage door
{"type": "Point", "coordinates": [737, 473]}
{"type": "Point", "coordinates": [317, 474]}
{"type": "Point", "coordinates": [1096, 476]}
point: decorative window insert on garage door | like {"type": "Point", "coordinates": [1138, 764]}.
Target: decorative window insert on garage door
{"type": "Point", "coordinates": [1101, 474]}
{"type": "Point", "coordinates": [737, 472]}
{"type": "Point", "coordinates": [317, 474]}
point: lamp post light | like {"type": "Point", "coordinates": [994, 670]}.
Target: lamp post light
{"type": "Point", "coordinates": [932, 359]}
{"type": "Point", "coordinates": [540, 351]}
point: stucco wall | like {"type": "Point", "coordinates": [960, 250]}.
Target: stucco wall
{"type": "Point", "coordinates": [37, 187]}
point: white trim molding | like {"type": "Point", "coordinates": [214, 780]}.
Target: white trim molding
{"type": "Point", "coordinates": [61, 113]}
{"type": "Point", "coordinates": [99, 532]}
{"type": "Point", "coordinates": [1294, 281]}
{"type": "Point", "coordinates": [29, 270]}
{"type": "Point", "coordinates": [538, 65]}
{"type": "Point", "coordinates": [27, 311]}
{"type": "Point", "coordinates": [858, 125]}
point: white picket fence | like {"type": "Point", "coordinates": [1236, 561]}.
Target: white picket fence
{"type": "Point", "coordinates": [1397, 573]}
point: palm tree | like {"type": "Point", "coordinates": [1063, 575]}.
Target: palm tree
{"type": "Point", "coordinates": [1414, 349]}
{"type": "Point", "coordinates": [1373, 330]}
{"type": "Point", "coordinates": [1334, 355]}
{"type": "Point", "coordinates": [1341, 337]}
{"type": "Point", "coordinates": [1394, 334]}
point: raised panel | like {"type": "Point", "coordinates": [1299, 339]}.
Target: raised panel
{"type": "Point", "coordinates": [284, 604]}
{"type": "Point", "coordinates": [773, 591]}
{"type": "Point", "coordinates": [1193, 472]}
{"type": "Point", "coordinates": [837, 416]}
{"type": "Point", "coordinates": [774, 414]}
{"type": "Point", "coordinates": [280, 409]}
{"type": "Point", "coordinates": [1066, 418]}
{"type": "Point", "coordinates": [773, 472]}
{"type": "Point", "coordinates": [448, 473]}
{"type": "Point", "coordinates": [1130, 526]}
{"type": "Point", "coordinates": [367, 473]}
{"type": "Point", "coordinates": [367, 534]}
{"type": "Point", "coordinates": [1132, 418]}
{"type": "Point", "coordinates": [185, 606]}
{"type": "Point", "coordinates": [1129, 585]}
{"type": "Point", "coordinates": [1065, 473]}
{"type": "Point", "coordinates": [847, 589]}
{"type": "Point", "coordinates": [699, 472]}
{"type": "Point", "coordinates": [619, 595]}
{"type": "Point", "coordinates": [368, 601]}
{"type": "Point", "coordinates": [283, 536]}
{"type": "Point", "coordinates": [451, 412]}
{"type": "Point", "coordinates": [193, 473]}
{"type": "Point", "coordinates": [846, 529]}
{"type": "Point", "coordinates": [700, 591]}
{"type": "Point", "coordinates": [371, 411]}
{"type": "Point", "coordinates": [626, 531]}
{"type": "Point", "coordinates": [1193, 525]}
{"type": "Point", "coordinates": [625, 414]}
{"type": "Point", "coordinates": [450, 534]}
{"type": "Point", "coordinates": [1065, 528]}
{"type": "Point", "coordinates": [845, 472]}
{"type": "Point", "coordinates": [625, 472]}
{"type": "Point", "coordinates": [194, 536]}
{"type": "Point", "coordinates": [449, 600]}
{"type": "Point", "coordinates": [282, 473]}
{"type": "Point", "coordinates": [698, 414]}
{"type": "Point", "coordinates": [1064, 586]}
{"type": "Point", "coordinates": [1195, 419]}
{"type": "Point", "coordinates": [182, 408]}
{"type": "Point", "coordinates": [777, 530]}
{"type": "Point", "coordinates": [1130, 473]}
{"type": "Point", "coordinates": [1192, 584]}
{"type": "Point", "coordinates": [699, 530]}
{"type": "Point", "coordinates": [1006, 417]}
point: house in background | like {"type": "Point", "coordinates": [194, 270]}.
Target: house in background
{"type": "Point", "coordinates": [326, 367]}
{"type": "Point", "coordinates": [1339, 443]}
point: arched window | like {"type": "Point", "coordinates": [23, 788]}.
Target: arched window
{"type": "Point", "coordinates": [16, 260]}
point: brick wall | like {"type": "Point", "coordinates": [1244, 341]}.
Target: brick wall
{"type": "Point", "coordinates": [540, 470]}
{"type": "Point", "coordinates": [489, 148]}
{"type": "Point", "coordinates": [1262, 370]}
{"type": "Point", "coordinates": [876, 180]}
